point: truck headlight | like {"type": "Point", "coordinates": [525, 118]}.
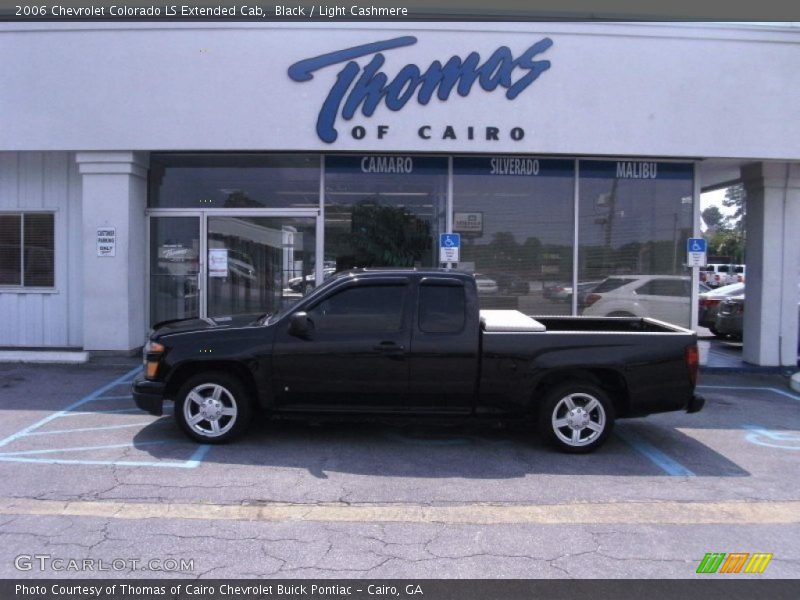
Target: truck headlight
{"type": "Point", "coordinates": [151, 355]}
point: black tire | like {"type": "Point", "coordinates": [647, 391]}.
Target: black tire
{"type": "Point", "coordinates": [555, 406]}
{"type": "Point", "coordinates": [716, 333]}
{"type": "Point", "coordinates": [232, 396]}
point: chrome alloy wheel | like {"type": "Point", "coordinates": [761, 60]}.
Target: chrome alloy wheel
{"type": "Point", "coordinates": [578, 419]}
{"type": "Point", "coordinates": [210, 410]}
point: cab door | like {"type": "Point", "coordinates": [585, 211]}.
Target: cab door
{"type": "Point", "coordinates": [444, 348]}
{"type": "Point", "coordinates": [356, 355]}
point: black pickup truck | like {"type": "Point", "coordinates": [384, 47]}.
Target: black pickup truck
{"type": "Point", "coordinates": [399, 343]}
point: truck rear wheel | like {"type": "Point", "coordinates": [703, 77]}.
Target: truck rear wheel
{"type": "Point", "coordinates": [576, 417]}
{"type": "Point", "coordinates": [213, 408]}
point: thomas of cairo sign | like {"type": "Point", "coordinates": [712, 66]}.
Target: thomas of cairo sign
{"type": "Point", "coordinates": [365, 88]}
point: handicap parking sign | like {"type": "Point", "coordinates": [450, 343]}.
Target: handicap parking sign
{"type": "Point", "coordinates": [696, 249]}
{"type": "Point", "coordinates": [449, 247]}
{"type": "Point", "coordinates": [696, 245]}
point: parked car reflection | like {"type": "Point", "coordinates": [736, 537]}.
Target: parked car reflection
{"type": "Point", "coordinates": [729, 321]}
{"type": "Point", "coordinates": [663, 297]}
{"type": "Point", "coordinates": [709, 303]}
{"type": "Point", "coordinates": [304, 285]}
{"type": "Point", "coordinates": [510, 283]}
{"type": "Point", "coordinates": [486, 285]}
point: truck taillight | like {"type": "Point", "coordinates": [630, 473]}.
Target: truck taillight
{"type": "Point", "coordinates": [692, 362]}
{"type": "Point", "coordinates": [591, 299]}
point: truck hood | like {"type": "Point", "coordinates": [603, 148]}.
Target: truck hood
{"type": "Point", "coordinates": [192, 325]}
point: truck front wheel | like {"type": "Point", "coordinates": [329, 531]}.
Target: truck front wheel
{"type": "Point", "coordinates": [576, 417]}
{"type": "Point", "coordinates": [213, 408]}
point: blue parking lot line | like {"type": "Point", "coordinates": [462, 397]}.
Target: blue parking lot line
{"type": "Point", "coordinates": [117, 463]}
{"type": "Point", "coordinates": [120, 411]}
{"type": "Point", "coordinates": [666, 463]}
{"type": "Point", "coordinates": [35, 456]}
{"type": "Point", "coordinates": [750, 388]}
{"type": "Point", "coordinates": [82, 448]}
{"type": "Point", "coordinates": [196, 459]}
{"type": "Point", "coordinates": [98, 428]}
{"type": "Point", "coordinates": [126, 378]}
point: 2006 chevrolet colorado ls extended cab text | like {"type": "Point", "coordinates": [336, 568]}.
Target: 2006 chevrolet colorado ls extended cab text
{"type": "Point", "coordinates": [382, 343]}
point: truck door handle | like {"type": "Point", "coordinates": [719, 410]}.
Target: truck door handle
{"type": "Point", "coordinates": [388, 347]}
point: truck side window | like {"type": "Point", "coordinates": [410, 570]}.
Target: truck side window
{"type": "Point", "coordinates": [442, 308]}
{"type": "Point", "coordinates": [363, 309]}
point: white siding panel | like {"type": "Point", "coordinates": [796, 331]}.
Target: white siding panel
{"type": "Point", "coordinates": [8, 180]}
{"type": "Point", "coordinates": [45, 181]}
{"type": "Point", "coordinates": [73, 241]}
{"type": "Point", "coordinates": [8, 325]}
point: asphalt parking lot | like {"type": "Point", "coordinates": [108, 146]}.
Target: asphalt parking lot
{"type": "Point", "coordinates": [84, 475]}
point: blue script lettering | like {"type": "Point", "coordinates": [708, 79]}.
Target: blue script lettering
{"type": "Point", "coordinates": [365, 88]}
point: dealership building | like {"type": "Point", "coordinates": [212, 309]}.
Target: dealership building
{"type": "Point", "coordinates": [164, 170]}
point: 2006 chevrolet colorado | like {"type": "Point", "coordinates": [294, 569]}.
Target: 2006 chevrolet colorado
{"type": "Point", "coordinates": [391, 343]}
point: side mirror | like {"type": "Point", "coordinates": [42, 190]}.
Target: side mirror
{"type": "Point", "coordinates": [300, 325]}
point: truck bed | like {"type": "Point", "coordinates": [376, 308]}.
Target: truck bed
{"type": "Point", "coordinates": [645, 356]}
{"type": "Point", "coordinates": [607, 324]}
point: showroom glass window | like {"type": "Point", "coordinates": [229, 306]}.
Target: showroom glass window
{"type": "Point", "coordinates": [384, 211]}
{"type": "Point", "coordinates": [27, 243]}
{"type": "Point", "coordinates": [234, 181]}
{"type": "Point", "coordinates": [634, 220]}
{"type": "Point", "coordinates": [516, 220]}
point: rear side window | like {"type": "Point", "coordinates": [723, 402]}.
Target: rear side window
{"type": "Point", "coordinates": [442, 308]}
{"type": "Point", "coordinates": [610, 284]}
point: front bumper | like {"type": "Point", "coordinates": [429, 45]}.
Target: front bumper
{"type": "Point", "coordinates": [696, 404]}
{"type": "Point", "coordinates": [149, 395]}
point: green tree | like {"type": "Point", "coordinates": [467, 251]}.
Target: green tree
{"type": "Point", "coordinates": [728, 242]}
{"type": "Point", "coordinates": [736, 199]}
{"type": "Point", "coordinates": [713, 218]}
{"type": "Point", "coordinates": [388, 236]}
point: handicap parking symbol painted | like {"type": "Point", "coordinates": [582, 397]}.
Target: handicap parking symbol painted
{"type": "Point", "coordinates": [772, 439]}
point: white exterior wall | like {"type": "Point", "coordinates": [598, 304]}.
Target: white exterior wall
{"type": "Point", "coordinates": [724, 94]}
{"type": "Point", "coordinates": [45, 181]}
{"type": "Point", "coordinates": [614, 89]}
{"type": "Point", "coordinates": [114, 195]}
{"type": "Point", "coordinates": [773, 215]}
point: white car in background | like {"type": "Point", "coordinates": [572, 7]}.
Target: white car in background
{"type": "Point", "coordinates": [718, 274]}
{"type": "Point", "coordinates": [663, 297]}
{"type": "Point", "coordinates": [486, 285]}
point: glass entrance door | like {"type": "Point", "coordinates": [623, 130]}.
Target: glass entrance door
{"type": "Point", "coordinates": [257, 264]}
{"type": "Point", "coordinates": [175, 252]}
{"type": "Point", "coordinates": [212, 264]}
